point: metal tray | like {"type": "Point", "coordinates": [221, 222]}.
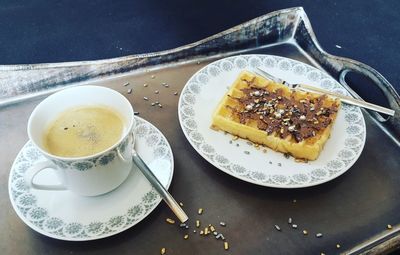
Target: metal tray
{"type": "Point", "coordinates": [353, 210]}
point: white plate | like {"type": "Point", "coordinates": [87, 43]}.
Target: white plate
{"type": "Point", "coordinates": [205, 89]}
{"type": "Point", "coordinates": [66, 216]}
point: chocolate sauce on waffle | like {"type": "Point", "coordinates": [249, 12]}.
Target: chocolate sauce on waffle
{"type": "Point", "coordinates": [284, 115]}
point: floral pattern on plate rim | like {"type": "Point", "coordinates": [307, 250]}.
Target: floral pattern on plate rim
{"type": "Point", "coordinates": [25, 203]}
{"type": "Point", "coordinates": [355, 131]}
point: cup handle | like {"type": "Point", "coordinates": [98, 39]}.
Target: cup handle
{"type": "Point", "coordinates": [34, 170]}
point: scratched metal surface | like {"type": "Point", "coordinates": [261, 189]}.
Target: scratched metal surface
{"type": "Point", "coordinates": [352, 210]}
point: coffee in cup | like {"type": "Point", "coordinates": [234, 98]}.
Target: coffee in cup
{"type": "Point", "coordinates": [85, 133]}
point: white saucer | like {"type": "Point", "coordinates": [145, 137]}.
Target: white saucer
{"type": "Point", "coordinates": [241, 159]}
{"type": "Point", "coordinates": [66, 216]}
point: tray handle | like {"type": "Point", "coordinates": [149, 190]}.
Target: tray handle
{"type": "Point", "coordinates": [349, 65]}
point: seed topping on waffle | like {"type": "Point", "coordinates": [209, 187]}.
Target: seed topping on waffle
{"type": "Point", "coordinates": [287, 116]}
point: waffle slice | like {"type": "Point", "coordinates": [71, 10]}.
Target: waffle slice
{"type": "Point", "coordinates": [268, 113]}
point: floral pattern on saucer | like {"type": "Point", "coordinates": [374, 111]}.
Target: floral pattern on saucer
{"type": "Point", "coordinates": [25, 202]}
{"type": "Point", "coordinates": [193, 111]}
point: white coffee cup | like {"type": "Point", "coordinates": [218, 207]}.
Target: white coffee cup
{"type": "Point", "coordinates": [90, 175]}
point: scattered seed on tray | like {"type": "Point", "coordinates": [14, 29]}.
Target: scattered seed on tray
{"type": "Point", "coordinates": [305, 232]}
{"type": "Point", "coordinates": [129, 91]}
{"type": "Point", "coordinates": [153, 104]}
{"type": "Point", "coordinates": [247, 152]}
{"type": "Point", "coordinates": [175, 93]}
{"type": "Point", "coordinates": [170, 221]}
{"type": "Point", "coordinates": [264, 150]}
{"type": "Point", "coordinates": [389, 226]}
{"type": "Point", "coordinates": [197, 223]}
{"type": "Point", "coordinates": [126, 84]}
{"type": "Point", "coordinates": [220, 236]}
{"type": "Point", "coordinates": [163, 83]}
{"type": "Point", "coordinates": [163, 251]}
{"type": "Point", "coordinates": [294, 226]}
{"type": "Point", "coordinates": [212, 228]}
{"type": "Point", "coordinates": [338, 46]}
{"type": "Point", "coordinates": [185, 237]}
{"type": "Point", "coordinates": [290, 221]}
{"type": "Point", "coordinates": [249, 143]}
{"type": "Point", "coordinates": [337, 246]}
{"type": "Point", "coordinates": [237, 145]}
{"type": "Point", "coordinates": [181, 204]}
{"type": "Point", "coordinates": [157, 102]}
{"type": "Point", "coordinates": [226, 245]}
{"type": "Point", "coordinates": [201, 232]}
{"type": "Point", "coordinates": [294, 200]}
{"type": "Point", "coordinates": [286, 155]}
{"type": "Point", "coordinates": [230, 141]}
{"type": "Point", "coordinates": [215, 233]}
{"type": "Point", "coordinates": [223, 224]}
{"type": "Point", "coordinates": [182, 225]}
{"type": "Point", "coordinates": [318, 235]}
{"type": "Point", "coordinates": [277, 228]}
{"type": "Point", "coordinates": [200, 211]}
{"type": "Point", "coordinates": [159, 105]}
{"type": "Point", "coordinates": [206, 232]}
{"type": "Point", "coordinates": [194, 231]}
{"type": "Point", "coordinates": [270, 162]}
{"type": "Point", "coordinates": [235, 138]}
{"type": "Point", "coordinates": [145, 98]}
{"type": "Point", "coordinates": [156, 92]}
{"type": "Point", "coordinates": [145, 85]}
{"type": "Point", "coordinates": [279, 164]}
{"type": "Point", "coordinates": [186, 227]}
{"type": "Point", "coordinates": [136, 113]}
{"type": "Point", "coordinates": [153, 76]}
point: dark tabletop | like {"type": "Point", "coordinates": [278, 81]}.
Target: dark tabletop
{"type": "Point", "coordinates": [58, 31]}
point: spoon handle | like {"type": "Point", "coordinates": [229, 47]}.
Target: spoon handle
{"type": "Point", "coordinates": [180, 214]}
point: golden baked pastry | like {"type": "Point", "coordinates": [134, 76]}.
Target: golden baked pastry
{"type": "Point", "coordinates": [271, 114]}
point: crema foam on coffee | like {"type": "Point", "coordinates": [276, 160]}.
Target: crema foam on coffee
{"type": "Point", "coordinates": [83, 131]}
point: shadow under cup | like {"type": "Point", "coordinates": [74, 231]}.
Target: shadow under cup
{"type": "Point", "coordinates": [90, 175]}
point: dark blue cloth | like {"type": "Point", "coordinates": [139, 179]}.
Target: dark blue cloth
{"type": "Point", "coordinates": [55, 31]}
